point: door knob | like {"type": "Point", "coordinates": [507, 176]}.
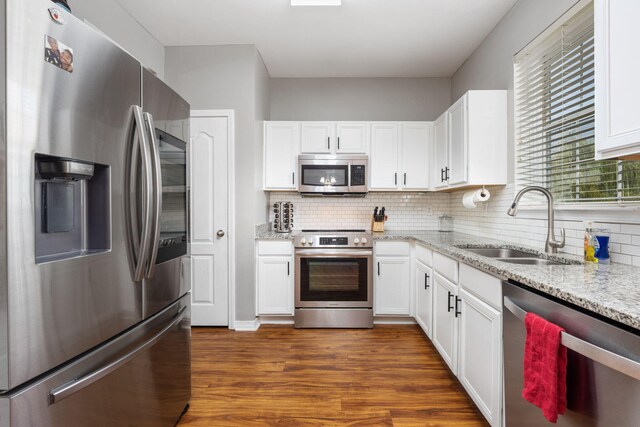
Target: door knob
{"type": "Point", "coordinates": [220, 233]}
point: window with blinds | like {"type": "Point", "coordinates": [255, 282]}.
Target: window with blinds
{"type": "Point", "coordinates": [554, 108]}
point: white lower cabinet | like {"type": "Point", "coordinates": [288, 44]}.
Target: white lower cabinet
{"type": "Point", "coordinates": [392, 286]}
{"type": "Point", "coordinates": [480, 364]}
{"type": "Point", "coordinates": [466, 327]}
{"type": "Point", "coordinates": [445, 321]}
{"type": "Point", "coordinates": [274, 277]}
{"type": "Point", "coordinates": [275, 285]}
{"type": "Point", "coordinates": [423, 277]}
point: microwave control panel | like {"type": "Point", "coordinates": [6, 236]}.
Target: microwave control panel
{"type": "Point", "coordinates": [357, 175]}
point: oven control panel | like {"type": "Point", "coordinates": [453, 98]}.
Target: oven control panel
{"type": "Point", "coordinates": [334, 241]}
{"type": "Point", "coordinates": [307, 239]}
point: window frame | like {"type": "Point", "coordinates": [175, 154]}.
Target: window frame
{"type": "Point", "coordinates": [616, 210]}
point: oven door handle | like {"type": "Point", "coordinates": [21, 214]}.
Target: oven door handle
{"type": "Point", "coordinates": [340, 253]}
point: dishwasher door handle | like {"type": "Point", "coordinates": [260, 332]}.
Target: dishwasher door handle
{"type": "Point", "coordinates": [598, 354]}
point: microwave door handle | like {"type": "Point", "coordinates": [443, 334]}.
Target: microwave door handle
{"type": "Point", "coordinates": [591, 351]}
{"type": "Point", "coordinates": [157, 194]}
{"type": "Point", "coordinates": [137, 238]}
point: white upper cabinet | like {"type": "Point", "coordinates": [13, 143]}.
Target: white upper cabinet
{"type": "Point", "coordinates": [475, 131]}
{"type": "Point", "coordinates": [383, 162]}
{"type": "Point", "coordinates": [334, 138]}
{"type": "Point", "coordinates": [415, 141]}
{"type": "Point", "coordinates": [352, 138]}
{"type": "Point", "coordinates": [281, 148]}
{"type": "Point", "coordinates": [316, 137]}
{"type": "Point", "coordinates": [400, 156]}
{"type": "Point", "coordinates": [457, 172]}
{"type": "Point", "coordinates": [399, 152]}
{"type": "Point", "coordinates": [440, 151]}
{"type": "Point", "coordinates": [617, 88]}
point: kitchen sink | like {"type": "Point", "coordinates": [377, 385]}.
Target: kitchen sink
{"type": "Point", "coordinates": [501, 253]}
{"type": "Point", "coordinates": [531, 261]}
{"type": "Point", "coordinates": [514, 256]}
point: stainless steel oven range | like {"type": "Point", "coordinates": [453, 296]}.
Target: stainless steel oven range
{"type": "Point", "coordinates": [334, 279]}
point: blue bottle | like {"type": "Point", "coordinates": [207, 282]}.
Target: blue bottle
{"type": "Point", "coordinates": [602, 249]}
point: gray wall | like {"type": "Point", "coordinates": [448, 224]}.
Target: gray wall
{"type": "Point", "coordinates": [263, 93]}
{"type": "Point", "coordinates": [111, 19]}
{"type": "Point", "coordinates": [359, 98]}
{"type": "Point", "coordinates": [490, 66]}
{"type": "Point", "coordinates": [231, 77]}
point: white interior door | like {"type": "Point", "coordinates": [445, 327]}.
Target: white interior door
{"type": "Point", "coordinates": [209, 222]}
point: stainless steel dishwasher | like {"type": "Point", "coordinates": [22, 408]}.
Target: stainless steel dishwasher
{"type": "Point", "coordinates": [603, 368]}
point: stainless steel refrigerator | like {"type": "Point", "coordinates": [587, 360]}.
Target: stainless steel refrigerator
{"type": "Point", "coordinates": [94, 272]}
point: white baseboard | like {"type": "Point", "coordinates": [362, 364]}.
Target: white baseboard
{"type": "Point", "coordinates": [276, 320]}
{"type": "Point", "coordinates": [379, 320]}
{"type": "Point", "coordinates": [247, 325]}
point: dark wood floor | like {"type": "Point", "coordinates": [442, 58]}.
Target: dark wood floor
{"type": "Point", "coordinates": [280, 376]}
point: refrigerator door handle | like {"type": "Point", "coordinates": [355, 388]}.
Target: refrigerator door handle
{"type": "Point", "coordinates": [137, 239]}
{"type": "Point", "coordinates": [67, 389]}
{"type": "Point", "coordinates": [605, 357]}
{"type": "Point", "coordinates": [157, 194]}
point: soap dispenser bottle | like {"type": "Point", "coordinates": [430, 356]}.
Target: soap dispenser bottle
{"type": "Point", "coordinates": [589, 243]}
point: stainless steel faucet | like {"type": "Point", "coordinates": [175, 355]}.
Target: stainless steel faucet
{"type": "Point", "coordinates": [552, 245]}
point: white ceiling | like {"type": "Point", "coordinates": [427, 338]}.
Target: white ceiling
{"type": "Point", "coordinates": [361, 38]}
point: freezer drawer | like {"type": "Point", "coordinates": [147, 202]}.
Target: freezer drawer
{"type": "Point", "coordinates": [142, 378]}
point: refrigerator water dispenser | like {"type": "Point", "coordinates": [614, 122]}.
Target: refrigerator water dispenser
{"type": "Point", "coordinates": [73, 208]}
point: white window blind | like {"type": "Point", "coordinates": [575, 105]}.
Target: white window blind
{"type": "Point", "coordinates": [554, 106]}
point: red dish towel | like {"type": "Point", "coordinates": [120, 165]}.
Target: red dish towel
{"type": "Point", "coordinates": [545, 367]}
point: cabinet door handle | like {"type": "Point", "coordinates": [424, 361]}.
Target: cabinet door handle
{"type": "Point", "coordinates": [338, 143]}
{"type": "Point", "coordinates": [378, 269]}
{"type": "Point", "coordinates": [395, 178]}
{"type": "Point", "coordinates": [457, 312]}
{"type": "Point", "coordinates": [446, 173]}
{"type": "Point", "coordinates": [405, 178]}
{"type": "Point", "coordinates": [426, 281]}
{"type": "Point", "coordinates": [328, 143]}
{"type": "Point", "coordinates": [449, 305]}
{"type": "Point", "coordinates": [441, 175]}
{"type": "Point", "coordinates": [288, 269]}
{"type": "Point", "coordinates": [293, 178]}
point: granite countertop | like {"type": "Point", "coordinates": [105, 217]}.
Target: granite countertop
{"type": "Point", "coordinates": [264, 231]}
{"type": "Point", "coordinates": [609, 290]}
{"type": "Point", "coordinates": [272, 235]}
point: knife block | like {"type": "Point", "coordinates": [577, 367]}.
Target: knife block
{"type": "Point", "coordinates": [378, 225]}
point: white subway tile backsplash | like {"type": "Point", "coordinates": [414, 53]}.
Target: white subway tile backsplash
{"type": "Point", "coordinates": [420, 211]}
{"type": "Point", "coordinates": [406, 211]}
{"type": "Point", "coordinates": [630, 229]}
{"type": "Point", "coordinates": [625, 238]}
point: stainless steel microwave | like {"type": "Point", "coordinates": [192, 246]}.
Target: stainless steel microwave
{"type": "Point", "coordinates": [344, 175]}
